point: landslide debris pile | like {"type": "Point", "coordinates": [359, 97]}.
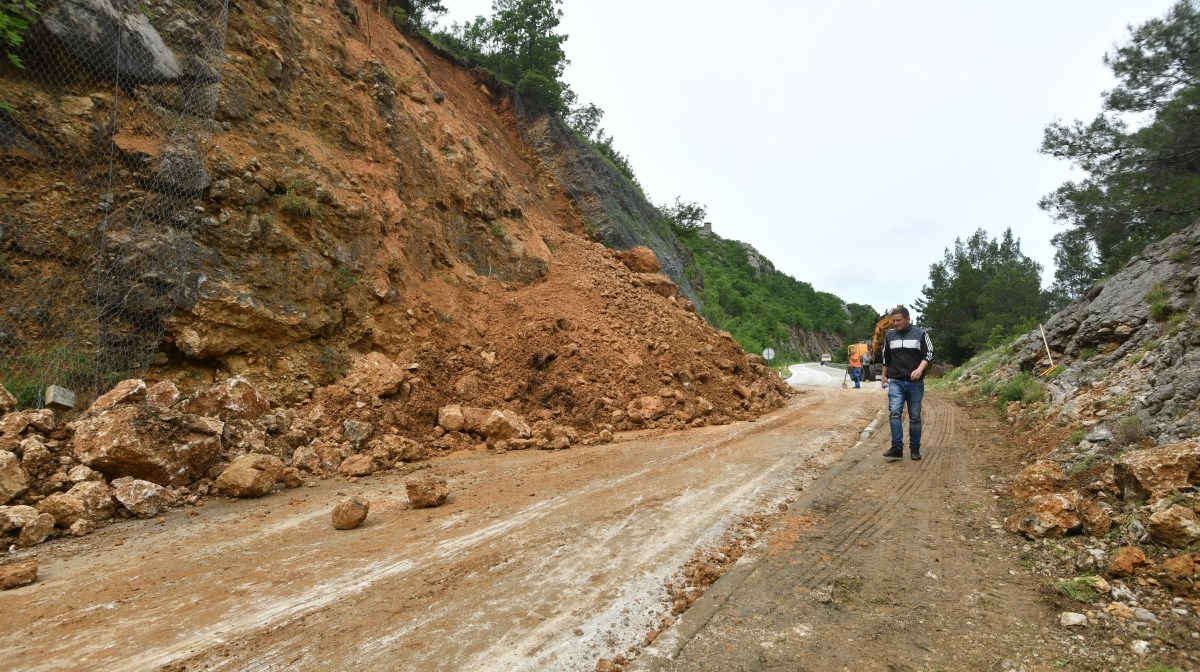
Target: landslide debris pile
{"type": "Point", "coordinates": [357, 265]}
{"type": "Point", "coordinates": [1111, 498]}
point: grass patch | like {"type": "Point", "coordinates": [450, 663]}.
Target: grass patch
{"type": "Point", "coordinates": [1077, 437]}
{"type": "Point", "coordinates": [1174, 324]}
{"type": "Point", "coordinates": [1023, 388]}
{"type": "Point", "coordinates": [344, 277]}
{"type": "Point", "coordinates": [296, 203]}
{"type": "Point", "coordinates": [1080, 588]}
{"type": "Point", "coordinates": [1130, 430]}
{"type": "Point", "coordinates": [1157, 298]}
{"type": "Point", "coordinates": [1087, 353]}
{"type": "Point", "coordinates": [1083, 465]}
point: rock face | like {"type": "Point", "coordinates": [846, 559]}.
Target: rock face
{"type": "Point", "coordinates": [114, 43]}
{"type": "Point", "coordinates": [376, 375]}
{"type": "Point", "coordinates": [250, 476]}
{"type": "Point", "coordinates": [36, 531]}
{"type": "Point", "coordinates": [350, 513]}
{"type": "Point", "coordinates": [1154, 472]}
{"type": "Point", "coordinates": [427, 492]}
{"type": "Point", "coordinates": [16, 517]}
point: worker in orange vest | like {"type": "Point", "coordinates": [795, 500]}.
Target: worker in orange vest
{"type": "Point", "coordinates": [856, 368]}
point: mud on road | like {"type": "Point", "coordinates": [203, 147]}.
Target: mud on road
{"type": "Point", "coordinates": [540, 560]}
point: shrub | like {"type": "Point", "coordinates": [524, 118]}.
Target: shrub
{"type": "Point", "coordinates": [294, 202]}
{"type": "Point", "coordinates": [345, 277]}
{"type": "Point", "coordinates": [1077, 437]}
{"type": "Point", "coordinates": [1175, 324]}
{"type": "Point", "coordinates": [1130, 431]}
{"type": "Point", "coordinates": [1080, 589]}
{"type": "Point", "coordinates": [1087, 353]}
{"type": "Point", "coordinates": [1024, 388]}
{"type": "Point", "coordinates": [1157, 299]}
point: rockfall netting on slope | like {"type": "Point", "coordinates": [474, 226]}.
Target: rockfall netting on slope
{"type": "Point", "coordinates": [102, 125]}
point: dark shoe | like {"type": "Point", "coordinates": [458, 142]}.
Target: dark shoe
{"type": "Point", "coordinates": [894, 452]}
{"type": "Point", "coordinates": [916, 454]}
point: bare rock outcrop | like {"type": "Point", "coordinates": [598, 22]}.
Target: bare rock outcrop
{"type": "Point", "coordinates": [36, 531]}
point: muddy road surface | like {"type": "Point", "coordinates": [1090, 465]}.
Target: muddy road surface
{"type": "Point", "coordinates": [539, 560]}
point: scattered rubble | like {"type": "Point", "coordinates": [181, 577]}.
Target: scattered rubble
{"type": "Point", "coordinates": [18, 574]}
{"type": "Point", "coordinates": [427, 491]}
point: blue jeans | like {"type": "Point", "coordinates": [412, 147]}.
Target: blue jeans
{"type": "Point", "coordinates": [856, 375]}
{"type": "Point", "coordinates": [899, 392]}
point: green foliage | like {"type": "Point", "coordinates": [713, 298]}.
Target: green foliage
{"type": "Point", "coordinates": [1157, 298]}
{"type": "Point", "coordinates": [1083, 465]}
{"type": "Point", "coordinates": [1080, 588]}
{"type": "Point", "coordinates": [1141, 179]}
{"type": "Point", "coordinates": [1087, 353]}
{"type": "Point", "coordinates": [15, 18]}
{"type": "Point", "coordinates": [26, 376]}
{"type": "Point", "coordinates": [518, 43]}
{"type": "Point", "coordinates": [1174, 325]}
{"type": "Point", "coordinates": [296, 203]}
{"type": "Point", "coordinates": [981, 294]}
{"type": "Point", "coordinates": [1023, 387]}
{"type": "Point", "coordinates": [345, 277]}
{"type": "Point", "coordinates": [1130, 431]}
{"type": "Point", "coordinates": [409, 14]}
{"type": "Point", "coordinates": [1077, 437]}
{"type": "Point", "coordinates": [685, 216]}
{"type": "Point", "coordinates": [761, 306]}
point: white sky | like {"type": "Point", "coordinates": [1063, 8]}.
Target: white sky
{"type": "Point", "coordinates": [850, 142]}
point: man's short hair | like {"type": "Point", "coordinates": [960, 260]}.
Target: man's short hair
{"type": "Point", "coordinates": [901, 310]}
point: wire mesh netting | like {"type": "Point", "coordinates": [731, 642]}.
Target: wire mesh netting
{"type": "Point", "coordinates": [105, 106]}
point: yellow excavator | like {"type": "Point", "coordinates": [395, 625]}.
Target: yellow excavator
{"type": "Point", "coordinates": [872, 354]}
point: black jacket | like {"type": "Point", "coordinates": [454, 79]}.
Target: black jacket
{"type": "Point", "coordinates": [904, 350]}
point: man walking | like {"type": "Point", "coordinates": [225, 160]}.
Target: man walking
{"type": "Point", "coordinates": [907, 352]}
{"type": "Point", "coordinates": [856, 367]}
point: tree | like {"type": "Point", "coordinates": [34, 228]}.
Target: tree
{"type": "Point", "coordinates": [1139, 154]}
{"type": "Point", "coordinates": [685, 215]}
{"type": "Point", "coordinates": [527, 51]}
{"type": "Point", "coordinates": [981, 292]}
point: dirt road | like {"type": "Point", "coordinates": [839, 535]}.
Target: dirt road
{"type": "Point", "coordinates": [540, 560]}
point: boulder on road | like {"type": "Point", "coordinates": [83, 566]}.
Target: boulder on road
{"type": "Point", "coordinates": [18, 574]}
{"type": "Point", "coordinates": [141, 498]}
{"type": "Point", "coordinates": [251, 475]}
{"type": "Point", "coordinates": [159, 445]}
{"type": "Point", "coordinates": [427, 492]}
{"type": "Point", "coordinates": [350, 513]}
{"type": "Point", "coordinates": [89, 500]}
{"type": "Point", "coordinates": [36, 531]}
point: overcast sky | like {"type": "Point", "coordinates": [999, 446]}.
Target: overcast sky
{"type": "Point", "coordinates": [850, 142]}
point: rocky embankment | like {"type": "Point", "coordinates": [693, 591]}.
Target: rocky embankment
{"type": "Point", "coordinates": [1110, 418]}
{"type": "Point", "coordinates": [325, 248]}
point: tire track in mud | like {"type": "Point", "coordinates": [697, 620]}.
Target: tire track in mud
{"type": "Point", "coordinates": [871, 570]}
